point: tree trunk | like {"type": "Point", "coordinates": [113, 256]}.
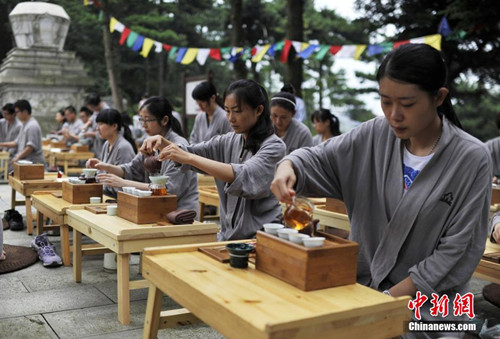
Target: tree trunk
{"type": "Point", "coordinates": [161, 72]}
{"type": "Point", "coordinates": [108, 54]}
{"type": "Point", "coordinates": [295, 31]}
{"type": "Point", "coordinates": [240, 69]}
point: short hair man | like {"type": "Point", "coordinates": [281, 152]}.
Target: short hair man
{"type": "Point", "coordinates": [29, 140]}
{"type": "Point", "coordinates": [72, 127]}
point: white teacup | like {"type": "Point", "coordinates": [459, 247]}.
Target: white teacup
{"type": "Point", "coordinates": [285, 233]}
{"type": "Point", "coordinates": [272, 228]}
{"type": "Point", "coordinates": [95, 200]}
{"type": "Point", "coordinates": [112, 210]}
{"type": "Point", "coordinates": [159, 179]}
{"type": "Point", "coordinates": [24, 162]}
{"type": "Point", "coordinates": [89, 172]}
{"type": "Point", "coordinates": [296, 238]}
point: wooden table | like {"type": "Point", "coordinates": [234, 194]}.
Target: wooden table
{"type": "Point", "coordinates": [488, 270]}
{"type": "Point", "coordinates": [331, 219]}
{"type": "Point", "coordinates": [4, 163]}
{"type": "Point", "coordinates": [208, 196]}
{"type": "Point", "coordinates": [50, 206]}
{"type": "Point", "coordinates": [205, 180]}
{"type": "Point", "coordinates": [67, 157]}
{"type": "Point", "coordinates": [246, 303]}
{"type": "Point", "coordinates": [124, 237]}
{"type": "Point", "coordinates": [27, 188]}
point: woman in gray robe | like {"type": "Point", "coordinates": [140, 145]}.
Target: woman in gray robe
{"type": "Point", "coordinates": [242, 161]}
{"type": "Point", "coordinates": [119, 147]}
{"type": "Point", "coordinates": [156, 116]}
{"type": "Point", "coordinates": [293, 133]}
{"type": "Point", "coordinates": [418, 230]}
{"type": "Point", "coordinates": [326, 125]}
{"type": "Point", "coordinates": [212, 121]}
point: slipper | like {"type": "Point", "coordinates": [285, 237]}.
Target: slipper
{"type": "Point", "coordinates": [3, 256]}
{"type": "Point", "coordinates": [491, 293]}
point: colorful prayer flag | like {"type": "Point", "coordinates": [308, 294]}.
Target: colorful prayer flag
{"type": "Point", "coordinates": [189, 56]}
{"type": "Point", "coordinates": [146, 47]}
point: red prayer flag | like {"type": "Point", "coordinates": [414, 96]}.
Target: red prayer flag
{"type": "Point", "coordinates": [253, 51]}
{"type": "Point", "coordinates": [167, 47]}
{"type": "Point", "coordinates": [125, 34]}
{"type": "Point", "coordinates": [215, 54]}
{"type": "Point", "coordinates": [286, 51]}
{"type": "Point", "coordinates": [334, 49]}
{"type": "Point", "coordinates": [399, 43]}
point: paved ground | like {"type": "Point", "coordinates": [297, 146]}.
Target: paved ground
{"type": "Point", "coordinates": [38, 302]}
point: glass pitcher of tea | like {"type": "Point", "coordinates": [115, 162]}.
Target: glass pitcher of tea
{"type": "Point", "coordinates": [299, 213]}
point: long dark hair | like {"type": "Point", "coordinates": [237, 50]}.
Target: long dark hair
{"type": "Point", "coordinates": [254, 95]}
{"type": "Point", "coordinates": [161, 107]}
{"type": "Point", "coordinates": [325, 115]}
{"type": "Point", "coordinates": [421, 65]}
{"type": "Point", "coordinates": [204, 91]}
{"type": "Point", "coordinates": [111, 116]}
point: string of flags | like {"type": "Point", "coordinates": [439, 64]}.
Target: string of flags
{"type": "Point", "coordinates": [304, 50]}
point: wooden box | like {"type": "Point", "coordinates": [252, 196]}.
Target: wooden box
{"type": "Point", "coordinates": [495, 196]}
{"type": "Point", "coordinates": [58, 144]}
{"type": "Point", "coordinates": [79, 148]}
{"type": "Point", "coordinates": [145, 210]}
{"type": "Point", "coordinates": [29, 171]}
{"type": "Point", "coordinates": [335, 205]}
{"type": "Point", "coordinates": [80, 193]}
{"type": "Point", "coordinates": [333, 264]}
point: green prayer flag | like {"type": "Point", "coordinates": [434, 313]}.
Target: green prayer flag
{"type": "Point", "coordinates": [173, 51]}
{"type": "Point", "coordinates": [131, 39]}
{"type": "Point", "coordinates": [322, 52]}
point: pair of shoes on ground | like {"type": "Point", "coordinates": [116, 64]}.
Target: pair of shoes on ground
{"type": "Point", "coordinates": [12, 219]}
{"type": "Point", "coordinates": [46, 251]}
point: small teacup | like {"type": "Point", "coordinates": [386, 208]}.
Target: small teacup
{"type": "Point", "coordinates": [238, 254]}
{"type": "Point", "coordinates": [296, 238]}
{"type": "Point", "coordinates": [285, 233]}
{"type": "Point", "coordinates": [112, 210]}
{"type": "Point", "coordinates": [89, 172]}
{"type": "Point", "coordinates": [128, 189]}
{"type": "Point", "coordinates": [273, 228]}
{"type": "Point", "coordinates": [95, 200]}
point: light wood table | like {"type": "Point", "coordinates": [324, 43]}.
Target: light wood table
{"type": "Point", "coordinates": [4, 161]}
{"type": "Point", "coordinates": [205, 180]}
{"type": "Point", "coordinates": [124, 237]}
{"type": "Point", "coordinates": [331, 219]}
{"type": "Point", "coordinates": [27, 188]}
{"type": "Point", "coordinates": [67, 157]}
{"type": "Point", "coordinates": [247, 303]}
{"type": "Point", "coordinates": [208, 196]}
{"type": "Point", "coordinates": [54, 208]}
{"type": "Point", "coordinates": [488, 270]}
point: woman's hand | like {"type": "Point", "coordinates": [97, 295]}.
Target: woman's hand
{"type": "Point", "coordinates": [284, 180]}
{"type": "Point", "coordinates": [92, 162]}
{"type": "Point", "coordinates": [111, 180]}
{"type": "Point", "coordinates": [175, 153]}
{"type": "Point", "coordinates": [154, 143]}
{"type": "Point", "coordinates": [496, 233]}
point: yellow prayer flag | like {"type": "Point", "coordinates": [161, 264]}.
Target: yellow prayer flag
{"type": "Point", "coordinates": [359, 50]}
{"type": "Point", "coordinates": [189, 56]}
{"type": "Point", "coordinates": [261, 51]}
{"type": "Point", "coordinates": [434, 41]}
{"type": "Point", "coordinates": [146, 47]}
{"type": "Point", "coordinates": [112, 24]}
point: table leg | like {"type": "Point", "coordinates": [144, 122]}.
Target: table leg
{"type": "Point", "coordinates": [39, 223]}
{"type": "Point", "coordinates": [65, 244]}
{"type": "Point", "coordinates": [13, 199]}
{"type": "Point", "coordinates": [29, 215]}
{"type": "Point", "coordinates": [6, 169]}
{"type": "Point", "coordinates": [153, 310]}
{"type": "Point", "coordinates": [77, 256]}
{"type": "Point", "coordinates": [66, 168]}
{"type": "Point", "coordinates": [123, 288]}
{"type": "Point", "coordinates": [202, 209]}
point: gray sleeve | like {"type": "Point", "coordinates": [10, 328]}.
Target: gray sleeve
{"type": "Point", "coordinates": [134, 170]}
{"type": "Point", "coordinates": [494, 220]}
{"type": "Point", "coordinates": [125, 154]}
{"type": "Point", "coordinates": [33, 137]}
{"type": "Point", "coordinates": [252, 179]}
{"type": "Point", "coordinates": [461, 246]}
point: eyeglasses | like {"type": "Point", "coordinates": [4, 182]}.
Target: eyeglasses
{"type": "Point", "coordinates": [146, 121]}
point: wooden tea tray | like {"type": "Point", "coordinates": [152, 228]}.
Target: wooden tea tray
{"type": "Point", "coordinates": [57, 194]}
{"type": "Point", "coordinates": [493, 257]}
{"type": "Point", "coordinates": [97, 209]}
{"type": "Point", "coordinates": [221, 254]}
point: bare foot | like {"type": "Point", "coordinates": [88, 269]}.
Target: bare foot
{"type": "Point", "coordinates": [3, 256]}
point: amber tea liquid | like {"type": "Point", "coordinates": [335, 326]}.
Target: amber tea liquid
{"type": "Point", "coordinates": [159, 191]}
{"type": "Point", "coordinates": [296, 218]}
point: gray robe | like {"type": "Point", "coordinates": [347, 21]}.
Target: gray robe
{"type": "Point", "coordinates": [9, 133]}
{"type": "Point", "coordinates": [202, 131]}
{"type": "Point", "coordinates": [493, 146]}
{"type": "Point", "coordinates": [317, 139]}
{"type": "Point", "coordinates": [247, 203]}
{"type": "Point", "coordinates": [184, 185]}
{"type": "Point", "coordinates": [435, 232]}
{"type": "Point", "coordinates": [31, 135]}
{"type": "Point", "coordinates": [121, 153]}
{"type": "Point", "coordinates": [74, 128]}
{"type": "Point", "coordinates": [297, 136]}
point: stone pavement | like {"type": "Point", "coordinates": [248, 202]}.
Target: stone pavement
{"type": "Point", "coordinates": [39, 302]}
